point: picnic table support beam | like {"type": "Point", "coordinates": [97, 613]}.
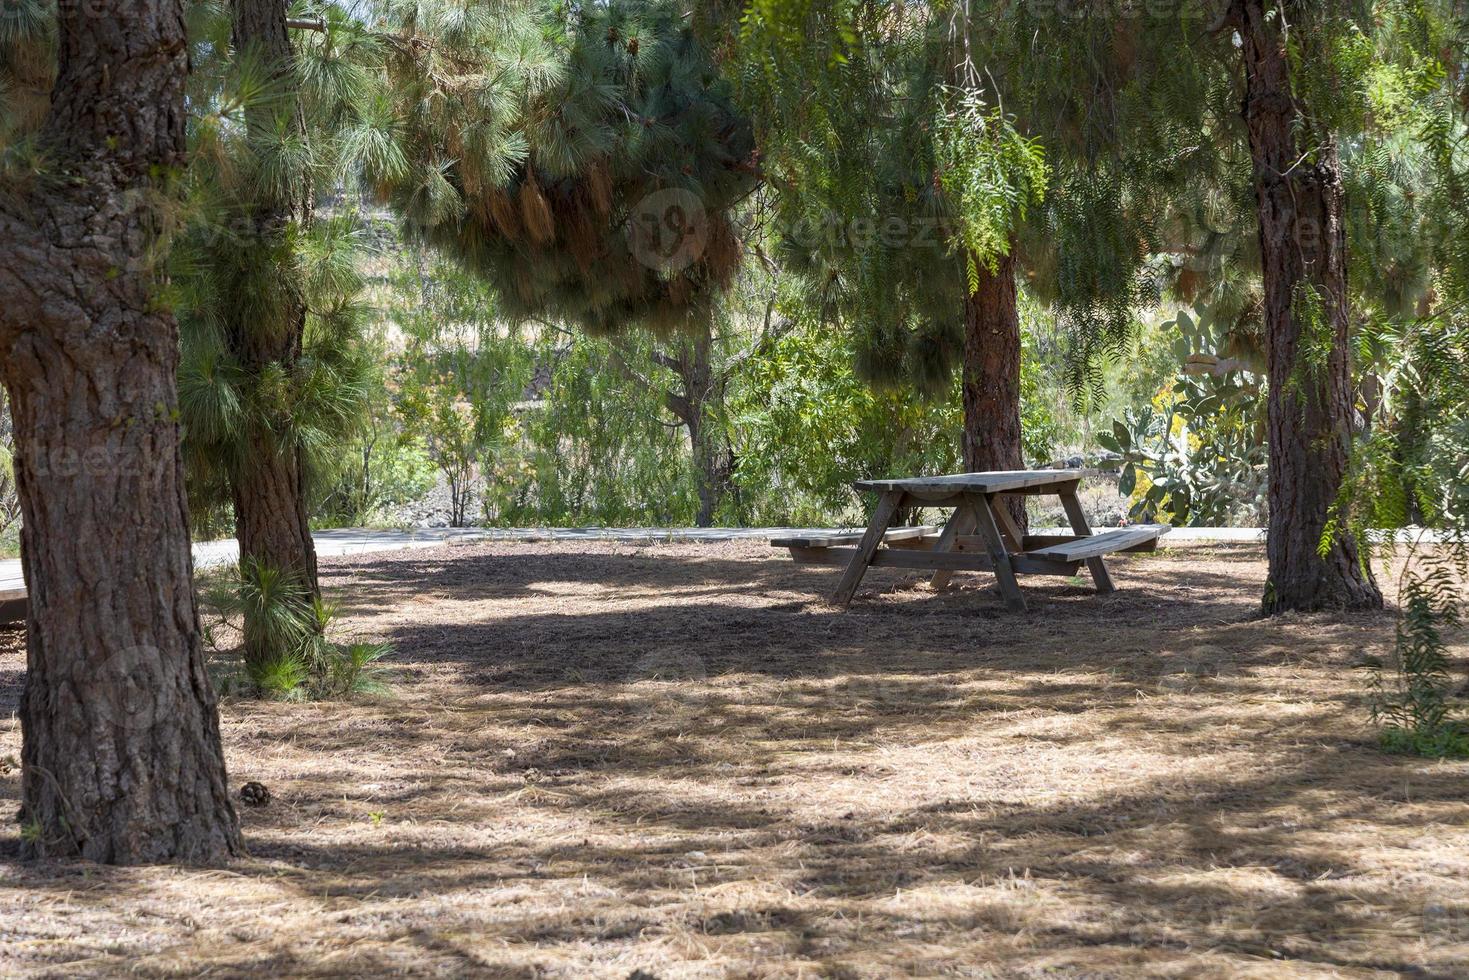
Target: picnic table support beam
{"type": "Point", "coordinates": [1009, 529]}
{"type": "Point", "coordinates": [961, 522]}
{"type": "Point", "coordinates": [887, 508]}
{"type": "Point", "coordinates": [1100, 576]}
{"type": "Point", "coordinates": [984, 506]}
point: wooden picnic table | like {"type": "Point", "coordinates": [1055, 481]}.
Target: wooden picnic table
{"type": "Point", "coordinates": [981, 535]}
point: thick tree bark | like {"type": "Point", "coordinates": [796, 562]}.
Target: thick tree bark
{"type": "Point", "coordinates": [1303, 255]}
{"type": "Point", "coordinates": [271, 522]}
{"type": "Point", "coordinates": [992, 376]}
{"type": "Point", "coordinates": [271, 519]}
{"type": "Point", "coordinates": [121, 756]}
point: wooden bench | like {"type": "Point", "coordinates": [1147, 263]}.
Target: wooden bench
{"type": "Point", "coordinates": [892, 536]}
{"type": "Point", "coordinates": [12, 606]}
{"type": "Point", "coordinates": [1138, 537]}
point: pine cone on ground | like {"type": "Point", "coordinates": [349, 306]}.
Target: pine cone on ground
{"type": "Point", "coordinates": [254, 794]}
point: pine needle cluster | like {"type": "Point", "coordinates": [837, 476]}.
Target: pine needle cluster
{"type": "Point", "coordinates": [533, 137]}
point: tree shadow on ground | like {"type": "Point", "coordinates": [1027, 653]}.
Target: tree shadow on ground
{"type": "Point", "coordinates": [710, 767]}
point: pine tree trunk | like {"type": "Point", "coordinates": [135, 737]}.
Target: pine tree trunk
{"type": "Point", "coordinates": [121, 756]}
{"type": "Point", "coordinates": [992, 376]}
{"type": "Point", "coordinates": [1303, 256]}
{"type": "Point", "coordinates": [271, 520]}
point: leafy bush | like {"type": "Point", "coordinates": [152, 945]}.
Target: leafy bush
{"type": "Point", "coordinates": [456, 382]}
{"type": "Point", "coordinates": [1197, 456]}
{"type": "Point", "coordinates": [805, 426]}
{"type": "Point", "coordinates": [599, 447]}
{"type": "Point", "coordinates": [383, 467]}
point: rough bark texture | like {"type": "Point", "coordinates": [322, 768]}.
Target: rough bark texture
{"type": "Point", "coordinates": [992, 376]}
{"type": "Point", "coordinates": [121, 757]}
{"type": "Point", "coordinates": [271, 519]}
{"type": "Point", "coordinates": [1303, 255]}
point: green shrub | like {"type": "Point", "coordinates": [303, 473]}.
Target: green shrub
{"type": "Point", "coordinates": [302, 662]}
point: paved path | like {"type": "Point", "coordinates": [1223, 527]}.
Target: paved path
{"type": "Point", "coordinates": [354, 541]}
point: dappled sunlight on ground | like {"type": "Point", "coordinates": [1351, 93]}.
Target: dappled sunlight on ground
{"type": "Point", "coordinates": [599, 758]}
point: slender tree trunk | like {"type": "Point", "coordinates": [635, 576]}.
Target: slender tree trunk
{"type": "Point", "coordinates": [992, 376]}
{"type": "Point", "coordinates": [711, 467]}
{"type": "Point", "coordinates": [121, 756]}
{"type": "Point", "coordinates": [694, 367]}
{"type": "Point", "coordinates": [1303, 255]}
{"type": "Point", "coordinates": [271, 518]}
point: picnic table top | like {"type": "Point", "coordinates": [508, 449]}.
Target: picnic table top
{"type": "Point", "coordinates": [990, 481]}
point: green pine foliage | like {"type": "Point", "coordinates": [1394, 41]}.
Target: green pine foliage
{"type": "Point", "coordinates": [895, 184]}
{"type": "Point", "coordinates": [261, 139]}
{"type": "Point", "coordinates": [586, 160]}
{"type": "Point", "coordinates": [27, 67]}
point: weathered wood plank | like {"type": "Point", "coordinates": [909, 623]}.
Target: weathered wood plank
{"type": "Point", "coordinates": [984, 513]}
{"type": "Point", "coordinates": [953, 561]}
{"type": "Point", "coordinates": [1008, 527]}
{"type": "Point", "coordinates": [852, 537]}
{"type": "Point", "coordinates": [1036, 542]}
{"type": "Point", "coordinates": [1025, 565]}
{"type": "Point", "coordinates": [887, 508]}
{"type": "Point", "coordinates": [990, 481]}
{"type": "Point", "coordinates": [822, 556]}
{"type": "Point", "coordinates": [12, 604]}
{"type": "Point", "coordinates": [1096, 545]}
{"type": "Point", "coordinates": [1101, 578]}
{"type": "Point", "coordinates": [898, 558]}
{"type": "Point", "coordinates": [924, 543]}
{"type": "Point", "coordinates": [961, 522]}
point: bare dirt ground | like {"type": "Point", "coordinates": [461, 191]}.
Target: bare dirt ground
{"type": "Point", "coordinates": [602, 759]}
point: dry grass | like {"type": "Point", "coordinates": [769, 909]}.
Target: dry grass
{"type": "Point", "coordinates": [600, 759]}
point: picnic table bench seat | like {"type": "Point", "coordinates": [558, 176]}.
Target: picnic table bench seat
{"type": "Point", "coordinates": [1067, 548]}
{"type": "Point", "coordinates": [1135, 537]}
{"type": "Point", "coordinates": [12, 604]}
{"type": "Point", "coordinates": [852, 537]}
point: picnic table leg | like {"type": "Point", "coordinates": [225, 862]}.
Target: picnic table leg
{"type": "Point", "coordinates": [960, 522]}
{"type": "Point", "coordinates": [984, 513]}
{"type": "Point", "coordinates": [1100, 576]}
{"type": "Point", "coordinates": [882, 517]}
{"type": "Point", "coordinates": [1014, 537]}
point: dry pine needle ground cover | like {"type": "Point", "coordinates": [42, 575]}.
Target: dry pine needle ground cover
{"type": "Point", "coordinates": [603, 759]}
